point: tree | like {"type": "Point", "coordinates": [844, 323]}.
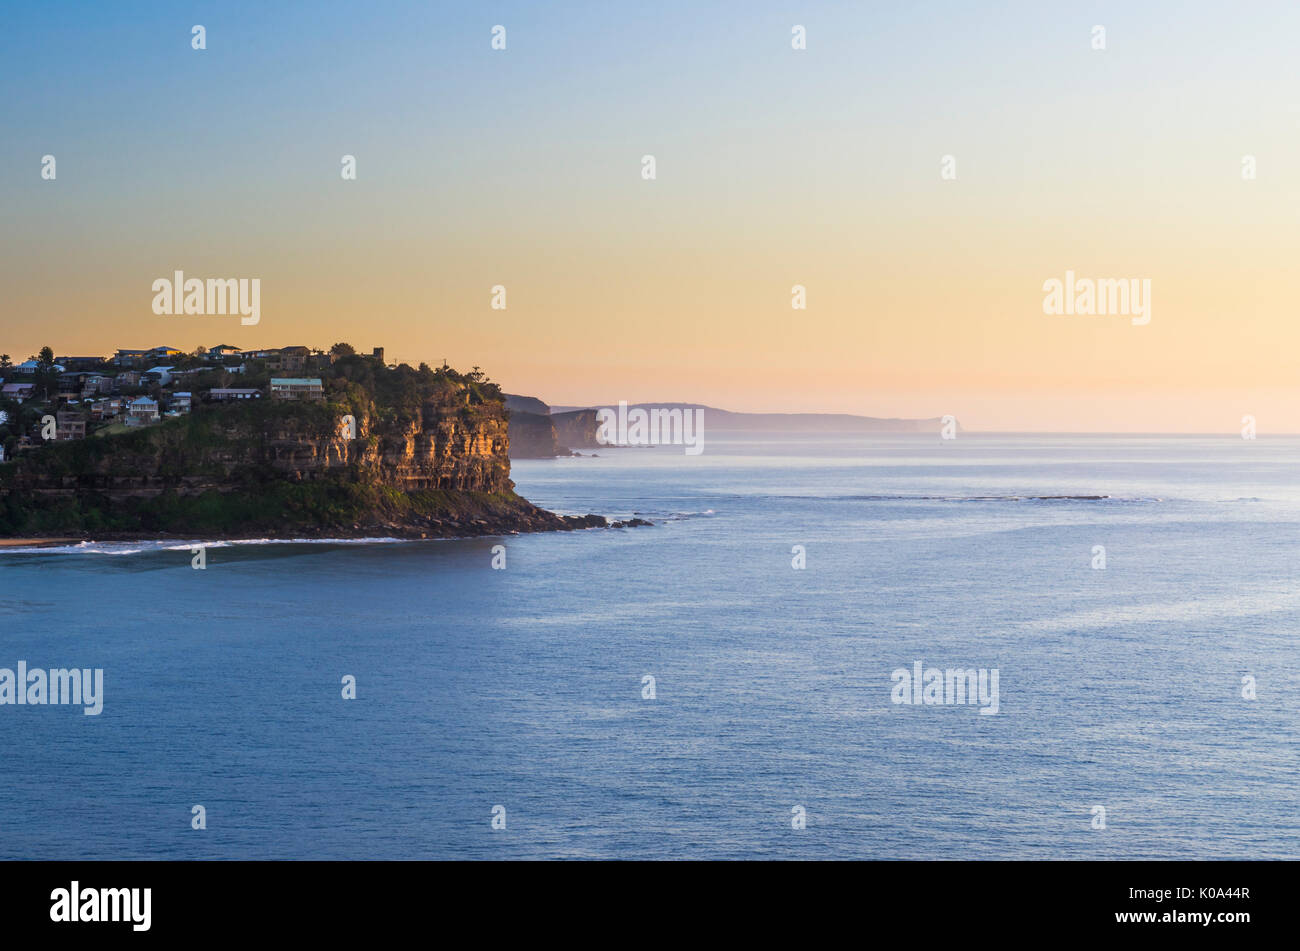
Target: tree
{"type": "Point", "coordinates": [4, 361]}
{"type": "Point", "coordinates": [342, 350]}
{"type": "Point", "coordinates": [45, 374]}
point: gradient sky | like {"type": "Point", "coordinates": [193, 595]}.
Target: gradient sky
{"type": "Point", "coordinates": [775, 168]}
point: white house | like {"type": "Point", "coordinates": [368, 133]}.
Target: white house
{"type": "Point", "coordinates": [29, 368]}
{"type": "Point", "coordinates": [143, 410]}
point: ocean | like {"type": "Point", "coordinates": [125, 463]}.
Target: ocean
{"type": "Point", "coordinates": [1163, 688]}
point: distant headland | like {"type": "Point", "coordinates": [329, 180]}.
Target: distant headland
{"type": "Point", "coordinates": [538, 430]}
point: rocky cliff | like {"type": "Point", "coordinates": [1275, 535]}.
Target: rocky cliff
{"type": "Point", "coordinates": [577, 429]}
{"type": "Point", "coordinates": [537, 433]}
{"type": "Point", "coordinates": [532, 436]}
{"type": "Point", "coordinates": [431, 460]}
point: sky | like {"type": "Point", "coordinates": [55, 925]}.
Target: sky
{"type": "Point", "coordinates": [775, 167]}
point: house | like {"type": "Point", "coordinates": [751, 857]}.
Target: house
{"type": "Point", "coordinates": [19, 392]}
{"type": "Point", "coordinates": [221, 351]}
{"type": "Point", "coordinates": [126, 379]}
{"type": "Point", "coordinates": [71, 425]}
{"type": "Point", "coordinates": [142, 410]}
{"type": "Point", "coordinates": [130, 358]}
{"type": "Point", "coordinates": [225, 395]}
{"type": "Point", "coordinates": [378, 354]}
{"type": "Point", "coordinates": [292, 359]}
{"type": "Point", "coordinates": [160, 375]}
{"type": "Point", "coordinates": [164, 354]}
{"type": "Point", "coordinates": [96, 384]}
{"type": "Point", "coordinates": [104, 409]}
{"type": "Point", "coordinates": [29, 368]}
{"type": "Point", "coordinates": [145, 358]}
{"type": "Point", "coordinates": [70, 383]}
{"type": "Point", "coordinates": [181, 401]}
{"type": "Point", "coordinates": [297, 388]}
{"type": "Point", "coordinates": [80, 363]}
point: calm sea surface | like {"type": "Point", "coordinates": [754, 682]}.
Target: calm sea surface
{"type": "Point", "coordinates": [523, 687]}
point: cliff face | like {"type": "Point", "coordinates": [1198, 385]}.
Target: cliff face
{"type": "Point", "coordinates": [444, 449]}
{"type": "Point", "coordinates": [532, 436]}
{"type": "Point", "coordinates": [577, 429]}
{"type": "Point", "coordinates": [537, 433]}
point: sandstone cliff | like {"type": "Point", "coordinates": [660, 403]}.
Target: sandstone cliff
{"type": "Point", "coordinates": [425, 459]}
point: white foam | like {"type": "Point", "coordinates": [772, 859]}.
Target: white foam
{"type": "Point", "coordinates": [141, 547]}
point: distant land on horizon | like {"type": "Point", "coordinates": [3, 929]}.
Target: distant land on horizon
{"type": "Point", "coordinates": [538, 430]}
{"type": "Point", "coordinates": [541, 431]}
{"type": "Point", "coordinates": [728, 421]}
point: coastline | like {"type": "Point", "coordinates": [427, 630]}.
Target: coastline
{"type": "Point", "coordinates": [427, 457]}
{"type": "Point", "coordinates": [432, 530]}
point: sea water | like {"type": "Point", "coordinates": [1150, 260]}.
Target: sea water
{"type": "Point", "coordinates": [768, 729]}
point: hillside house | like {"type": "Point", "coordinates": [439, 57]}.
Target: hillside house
{"type": "Point", "coordinates": [71, 425]}
{"type": "Point", "coordinates": [96, 384]}
{"type": "Point", "coordinates": [142, 411]}
{"type": "Point", "coordinates": [29, 368]}
{"type": "Point", "coordinates": [129, 358]}
{"type": "Point", "coordinates": [291, 359]}
{"type": "Point", "coordinates": [227, 394]}
{"type": "Point", "coordinates": [80, 363]}
{"type": "Point", "coordinates": [105, 409]}
{"type": "Point", "coordinates": [297, 388]}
